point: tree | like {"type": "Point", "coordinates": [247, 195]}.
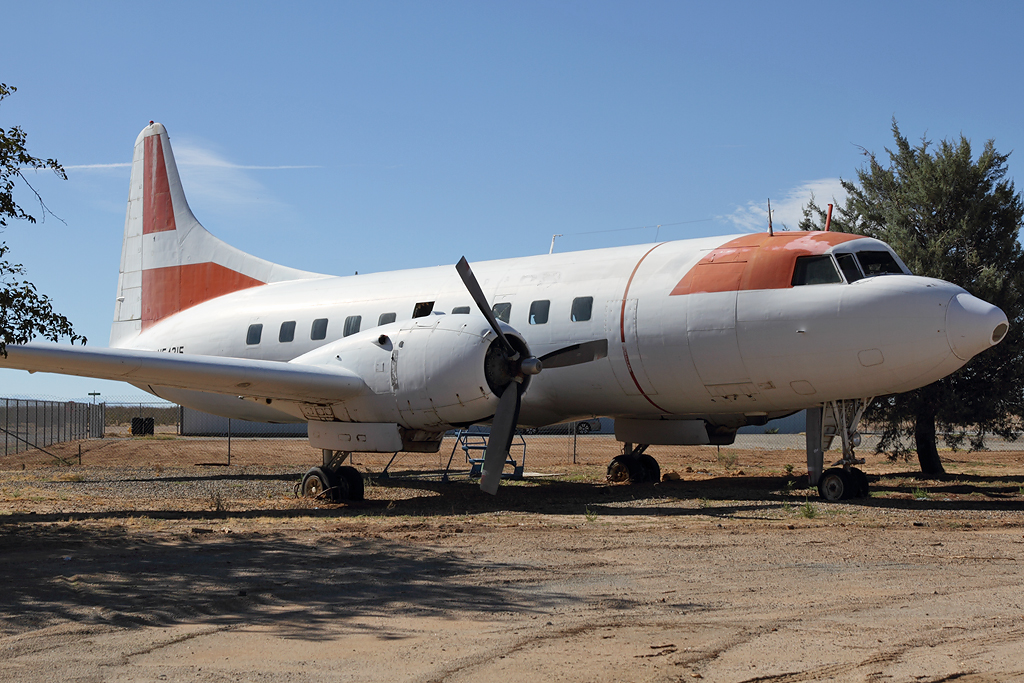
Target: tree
{"type": "Point", "coordinates": [24, 312]}
{"type": "Point", "coordinates": [951, 217]}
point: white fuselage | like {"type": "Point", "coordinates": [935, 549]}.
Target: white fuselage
{"type": "Point", "coordinates": [760, 352]}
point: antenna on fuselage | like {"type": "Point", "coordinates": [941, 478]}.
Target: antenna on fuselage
{"type": "Point", "coordinates": [771, 232]}
{"type": "Point", "coordinates": [828, 219]}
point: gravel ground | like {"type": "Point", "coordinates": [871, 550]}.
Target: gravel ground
{"type": "Point", "coordinates": [219, 573]}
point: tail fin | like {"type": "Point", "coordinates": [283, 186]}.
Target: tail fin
{"type": "Point", "coordinates": [169, 262]}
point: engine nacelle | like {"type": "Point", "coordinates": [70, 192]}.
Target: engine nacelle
{"type": "Point", "coordinates": [428, 373]}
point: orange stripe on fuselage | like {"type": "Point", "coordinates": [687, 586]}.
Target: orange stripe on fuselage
{"type": "Point", "coordinates": [157, 210]}
{"type": "Point", "coordinates": [758, 261]}
{"type": "Point", "coordinates": [165, 291]}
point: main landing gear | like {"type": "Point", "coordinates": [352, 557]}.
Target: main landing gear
{"type": "Point", "coordinates": [333, 481]}
{"type": "Point", "coordinates": [843, 480]}
{"type": "Point", "coordinates": [634, 466]}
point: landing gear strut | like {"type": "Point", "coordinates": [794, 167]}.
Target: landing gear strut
{"type": "Point", "coordinates": [633, 466]}
{"type": "Point", "coordinates": [843, 480]}
{"type": "Point", "coordinates": [334, 481]}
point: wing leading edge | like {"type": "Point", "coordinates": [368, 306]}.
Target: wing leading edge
{"type": "Point", "coordinates": [231, 376]}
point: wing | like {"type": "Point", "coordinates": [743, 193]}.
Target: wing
{"type": "Point", "coordinates": [232, 376]}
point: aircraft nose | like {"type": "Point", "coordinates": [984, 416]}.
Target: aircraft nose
{"type": "Point", "coordinates": [973, 325]}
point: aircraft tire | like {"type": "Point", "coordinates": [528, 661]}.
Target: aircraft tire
{"type": "Point", "coordinates": [834, 485]}
{"type": "Point", "coordinates": [623, 469]}
{"type": "Point", "coordinates": [316, 483]}
{"type": "Point", "coordinates": [650, 467]}
{"type": "Point", "coordinates": [353, 479]}
{"type": "Point", "coordinates": [860, 483]}
{"type": "Point", "coordinates": [633, 469]}
{"type": "Point", "coordinates": [583, 427]}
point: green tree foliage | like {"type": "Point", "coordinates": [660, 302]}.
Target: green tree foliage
{"type": "Point", "coordinates": [951, 217]}
{"type": "Point", "coordinates": [24, 312]}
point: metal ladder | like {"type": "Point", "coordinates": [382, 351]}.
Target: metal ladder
{"type": "Point", "coordinates": [475, 442]}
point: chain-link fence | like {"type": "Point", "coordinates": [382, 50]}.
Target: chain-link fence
{"type": "Point", "coordinates": [33, 425]}
{"type": "Point", "coordinates": [160, 434]}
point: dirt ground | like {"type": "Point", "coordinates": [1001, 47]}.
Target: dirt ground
{"type": "Point", "coordinates": [142, 566]}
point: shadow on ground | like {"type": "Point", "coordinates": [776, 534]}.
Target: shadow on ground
{"type": "Point", "coordinates": [420, 494]}
{"type": "Point", "coordinates": [299, 583]}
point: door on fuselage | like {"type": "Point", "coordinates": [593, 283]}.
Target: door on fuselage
{"type": "Point", "coordinates": [711, 335]}
{"type": "Point", "coordinates": [624, 351]}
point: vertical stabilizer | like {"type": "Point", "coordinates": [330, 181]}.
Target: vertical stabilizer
{"type": "Point", "coordinates": [169, 262]}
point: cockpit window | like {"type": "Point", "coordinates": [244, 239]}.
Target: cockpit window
{"type": "Point", "coordinates": [878, 263]}
{"type": "Point", "coordinates": [815, 270]}
{"type": "Point", "coordinates": [848, 264]}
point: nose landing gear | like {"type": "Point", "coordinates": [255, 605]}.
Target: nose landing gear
{"type": "Point", "coordinates": [844, 479]}
{"type": "Point", "coordinates": [838, 484]}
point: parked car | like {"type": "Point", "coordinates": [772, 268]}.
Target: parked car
{"type": "Point", "coordinates": [592, 425]}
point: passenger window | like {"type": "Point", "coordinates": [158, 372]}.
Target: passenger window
{"type": "Point", "coordinates": [878, 263]}
{"type": "Point", "coordinates": [423, 309]}
{"type": "Point", "coordinates": [848, 264]}
{"type": "Point", "coordinates": [460, 310]}
{"type": "Point", "coordinates": [815, 270]}
{"type": "Point", "coordinates": [539, 312]}
{"type": "Point", "coordinates": [319, 329]}
{"type": "Point", "coordinates": [386, 318]}
{"type": "Point", "coordinates": [287, 332]}
{"type": "Point", "coordinates": [352, 325]}
{"type": "Point", "coordinates": [582, 307]}
{"type": "Point", "coordinates": [502, 311]}
{"type": "Point", "coordinates": [253, 335]}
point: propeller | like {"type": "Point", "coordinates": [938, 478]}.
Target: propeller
{"type": "Point", "coordinates": [576, 354]}
{"type": "Point", "coordinates": [508, 369]}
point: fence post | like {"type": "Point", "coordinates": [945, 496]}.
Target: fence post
{"type": "Point", "coordinates": [574, 443]}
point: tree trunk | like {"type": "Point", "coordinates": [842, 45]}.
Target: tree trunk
{"type": "Point", "coordinates": [924, 439]}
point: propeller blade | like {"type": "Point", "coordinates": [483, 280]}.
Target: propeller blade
{"type": "Point", "coordinates": [469, 279]}
{"type": "Point", "coordinates": [575, 354]}
{"type": "Point", "coordinates": [502, 430]}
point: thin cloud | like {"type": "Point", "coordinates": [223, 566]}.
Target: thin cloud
{"type": "Point", "coordinates": [244, 167]}
{"type": "Point", "coordinates": [787, 212]}
{"type": "Point", "coordinates": [212, 180]}
{"type": "Point", "coordinates": [214, 162]}
{"type": "Point", "coordinates": [95, 167]}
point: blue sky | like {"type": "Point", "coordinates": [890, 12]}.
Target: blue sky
{"type": "Point", "coordinates": [342, 137]}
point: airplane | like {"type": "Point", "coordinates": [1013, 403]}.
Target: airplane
{"type": "Point", "coordinates": [681, 342]}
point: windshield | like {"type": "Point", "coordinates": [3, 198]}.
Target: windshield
{"type": "Point", "coordinates": [815, 270]}
{"type": "Point", "coordinates": [878, 263]}
{"type": "Point", "coordinates": [848, 264]}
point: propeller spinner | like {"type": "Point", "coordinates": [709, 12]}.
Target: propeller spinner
{"type": "Point", "coordinates": [507, 369]}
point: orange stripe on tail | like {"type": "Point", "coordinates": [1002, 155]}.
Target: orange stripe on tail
{"type": "Point", "coordinates": [165, 291]}
{"type": "Point", "coordinates": [157, 210]}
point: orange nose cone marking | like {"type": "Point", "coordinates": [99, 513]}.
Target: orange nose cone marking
{"type": "Point", "coordinates": [758, 261]}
